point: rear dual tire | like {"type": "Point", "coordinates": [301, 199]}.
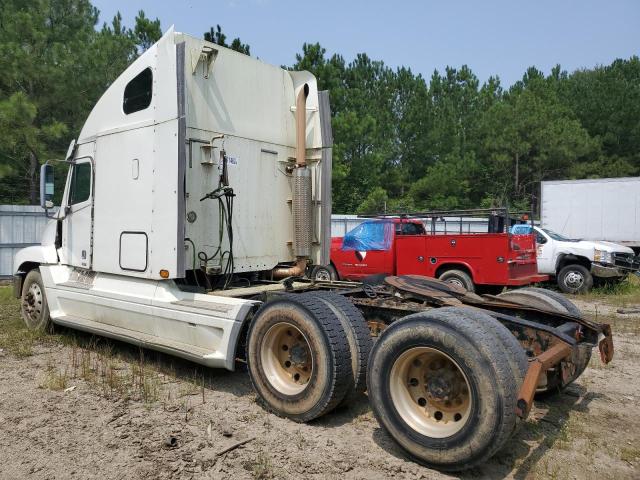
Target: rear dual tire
{"type": "Point", "coordinates": [444, 385]}
{"type": "Point", "coordinates": [298, 357]}
{"type": "Point", "coordinates": [358, 337]}
{"type": "Point", "coordinates": [555, 302]}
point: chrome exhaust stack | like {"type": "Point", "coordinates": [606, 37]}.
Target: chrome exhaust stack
{"type": "Point", "coordinates": [302, 205]}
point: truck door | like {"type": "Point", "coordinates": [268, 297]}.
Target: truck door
{"type": "Point", "coordinates": [544, 253]}
{"type": "Point", "coordinates": [77, 221]}
{"type": "Point", "coordinates": [367, 250]}
{"type": "Point", "coordinates": [411, 243]}
{"type": "Point", "coordinates": [411, 256]}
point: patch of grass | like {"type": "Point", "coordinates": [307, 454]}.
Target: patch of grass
{"type": "Point", "coordinates": [630, 454]}
{"type": "Point", "coordinates": [536, 429]}
{"type": "Point", "coordinates": [91, 359]}
{"type": "Point", "coordinates": [15, 338]}
{"type": "Point", "coordinates": [260, 467]}
{"type": "Point", "coordinates": [299, 440]}
{"type": "Point", "coordinates": [110, 376]}
{"type": "Point", "coordinates": [192, 386]}
{"type": "Point", "coordinates": [6, 295]}
{"type": "Point", "coordinates": [623, 293]}
{"type": "Point", "coordinates": [56, 379]}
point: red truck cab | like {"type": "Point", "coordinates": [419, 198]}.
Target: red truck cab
{"type": "Point", "coordinates": [399, 246]}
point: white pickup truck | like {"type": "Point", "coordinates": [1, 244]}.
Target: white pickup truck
{"type": "Point", "coordinates": [576, 263]}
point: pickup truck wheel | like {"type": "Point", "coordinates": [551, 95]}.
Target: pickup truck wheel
{"type": "Point", "coordinates": [458, 278]}
{"type": "Point", "coordinates": [575, 279]}
{"type": "Point", "coordinates": [358, 336]}
{"type": "Point", "coordinates": [442, 385]}
{"type": "Point", "coordinates": [324, 273]}
{"type": "Point", "coordinates": [298, 357]}
{"type": "Point", "coordinates": [556, 302]}
{"type": "Point", "coordinates": [34, 306]}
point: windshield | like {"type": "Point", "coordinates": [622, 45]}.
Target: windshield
{"type": "Point", "coordinates": [370, 235]}
{"type": "Point", "coordinates": [557, 236]}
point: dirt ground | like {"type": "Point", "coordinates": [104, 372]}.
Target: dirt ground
{"type": "Point", "coordinates": [73, 406]}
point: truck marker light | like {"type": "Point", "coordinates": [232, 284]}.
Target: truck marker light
{"type": "Point", "coordinates": [164, 273]}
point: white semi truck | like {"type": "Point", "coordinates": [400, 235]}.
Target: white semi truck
{"type": "Point", "coordinates": [197, 203]}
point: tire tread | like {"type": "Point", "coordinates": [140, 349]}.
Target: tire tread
{"type": "Point", "coordinates": [490, 346]}
{"type": "Point", "coordinates": [340, 375]}
{"type": "Point", "coordinates": [361, 335]}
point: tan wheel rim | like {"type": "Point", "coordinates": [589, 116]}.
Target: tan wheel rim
{"type": "Point", "coordinates": [286, 358]}
{"type": "Point", "coordinates": [430, 392]}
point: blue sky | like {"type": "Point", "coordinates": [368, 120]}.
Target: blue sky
{"type": "Point", "coordinates": [499, 37]}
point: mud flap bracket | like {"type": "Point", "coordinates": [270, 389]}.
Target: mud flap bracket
{"type": "Point", "coordinates": [606, 344]}
{"type": "Point", "coordinates": [538, 367]}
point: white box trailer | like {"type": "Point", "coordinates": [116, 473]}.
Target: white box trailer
{"type": "Point", "coordinates": [594, 209]}
{"type": "Point", "coordinates": [197, 201]}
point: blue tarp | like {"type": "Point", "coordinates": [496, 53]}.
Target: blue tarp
{"type": "Point", "coordinates": [369, 235]}
{"type": "Point", "coordinates": [521, 229]}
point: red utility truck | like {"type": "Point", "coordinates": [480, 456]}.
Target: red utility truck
{"type": "Point", "coordinates": [455, 246]}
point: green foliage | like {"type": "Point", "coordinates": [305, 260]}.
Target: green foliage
{"type": "Point", "coordinates": [531, 136]}
{"type": "Point", "coordinates": [215, 35]}
{"type": "Point", "coordinates": [146, 32]}
{"type": "Point", "coordinates": [55, 65]}
{"type": "Point", "coordinates": [376, 202]}
{"type": "Point", "coordinates": [400, 142]}
{"type": "Point", "coordinates": [446, 184]}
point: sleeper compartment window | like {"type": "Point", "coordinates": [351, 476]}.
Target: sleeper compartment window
{"type": "Point", "coordinates": [137, 93]}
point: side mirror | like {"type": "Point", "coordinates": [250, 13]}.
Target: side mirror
{"type": "Point", "coordinates": [71, 151]}
{"type": "Point", "coordinates": [46, 186]}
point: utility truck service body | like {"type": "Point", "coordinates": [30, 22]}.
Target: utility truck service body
{"type": "Point", "coordinates": [466, 259]}
{"type": "Point", "coordinates": [197, 205]}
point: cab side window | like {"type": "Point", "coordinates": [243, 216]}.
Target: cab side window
{"type": "Point", "coordinates": [409, 229]}
{"type": "Point", "coordinates": [80, 190]}
{"type": "Point", "coordinates": [137, 93]}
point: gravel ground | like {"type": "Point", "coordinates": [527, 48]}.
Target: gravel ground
{"type": "Point", "coordinates": [72, 406]}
